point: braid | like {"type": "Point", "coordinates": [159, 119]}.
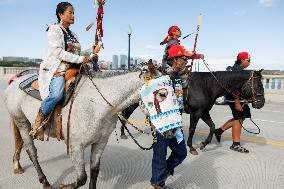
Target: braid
{"type": "Point", "coordinates": [61, 7]}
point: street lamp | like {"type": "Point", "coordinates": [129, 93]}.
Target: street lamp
{"type": "Point", "coordinates": [129, 36]}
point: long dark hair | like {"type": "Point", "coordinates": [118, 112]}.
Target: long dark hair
{"type": "Point", "coordinates": [61, 7]}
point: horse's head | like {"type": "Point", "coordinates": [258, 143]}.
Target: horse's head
{"type": "Point", "coordinates": [149, 70]}
{"type": "Point", "coordinates": [253, 90]}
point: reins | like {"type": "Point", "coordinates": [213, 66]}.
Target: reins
{"type": "Point", "coordinates": [86, 68]}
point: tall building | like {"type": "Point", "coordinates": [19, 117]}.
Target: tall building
{"type": "Point", "coordinates": [114, 64]}
{"type": "Point", "coordinates": [137, 61]}
{"type": "Point", "coordinates": [123, 62]}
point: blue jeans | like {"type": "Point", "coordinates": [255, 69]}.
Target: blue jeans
{"type": "Point", "coordinates": [56, 91]}
{"type": "Point", "coordinates": [160, 165]}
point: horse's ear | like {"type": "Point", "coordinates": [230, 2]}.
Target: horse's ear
{"type": "Point", "coordinates": [151, 65]}
{"type": "Point", "coordinates": [258, 73]}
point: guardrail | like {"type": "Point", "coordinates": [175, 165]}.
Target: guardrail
{"type": "Point", "coordinates": [7, 72]}
{"type": "Point", "coordinates": [273, 83]}
{"type": "Point", "coordinates": [270, 82]}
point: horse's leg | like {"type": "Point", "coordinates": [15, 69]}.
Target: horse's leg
{"type": "Point", "coordinates": [32, 151]}
{"type": "Point", "coordinates": [18, 148]}
{"type": "Point", "coordinates": [207, 119]}
{"type": "Point", "coordinates": [122, 132]}
{"type": "Point", "coordinates": [194, 117]}
{"type": "Point", "coordinates": [96, 153]}
{"type": "Point", "coordinates": [126, 114]}
{"type": "Point", "coordinates": [77, 157]}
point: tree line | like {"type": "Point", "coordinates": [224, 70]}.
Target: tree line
{"type": "Point", "coordinates": [18, 64]}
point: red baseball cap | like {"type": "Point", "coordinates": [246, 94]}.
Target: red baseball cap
{"type": "Point", "coordinates": [173, 29]}
{"type": "Point", "coordinates": [243, 56]}
{"type": "Point", "coordinates": [177, 51]}
{"type": "Point", "coordinates": [170, 34]}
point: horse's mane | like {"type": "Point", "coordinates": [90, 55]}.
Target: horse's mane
{"type": "Point", "coordinates": [110, 73]}
{"type": "Point", "coordinates": [221, 75]}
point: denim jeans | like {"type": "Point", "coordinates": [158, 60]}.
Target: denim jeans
{"type": "Point", "coordinates": [160, 165]}
{"type": "Point", "coordinates": [56, 91]}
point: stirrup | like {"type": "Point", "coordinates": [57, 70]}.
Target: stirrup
{"type": "Point", "coordinates": [239, 148]}
{"type": "Point", "coordinates": [34, 133]}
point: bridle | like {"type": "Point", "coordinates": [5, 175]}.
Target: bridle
{"type": "Point", "coordinates": [253, 99]}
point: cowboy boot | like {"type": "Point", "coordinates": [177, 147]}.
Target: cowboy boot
{"type": "Point", "coordinates": [35, 132]}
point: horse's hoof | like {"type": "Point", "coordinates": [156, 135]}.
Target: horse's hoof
{"type": "Point", "coordinates": [47, 186]}
{"type": "Point", "coordinates": [202, 146]}
{"type": "Point", "coordinates": [123, 137]}
{"type": "Point", "coordinates": [193, 151]}
{"type": "Point", "coordinates": [65, 187]}
{"type": "Point", "coordinates": [19, 171]}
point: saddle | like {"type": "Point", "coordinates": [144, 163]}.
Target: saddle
{"type": "Point", "coordinates": [31, 87]}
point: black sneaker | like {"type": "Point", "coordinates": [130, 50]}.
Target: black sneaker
{"type": "Point", "coordinates": [239, 148]}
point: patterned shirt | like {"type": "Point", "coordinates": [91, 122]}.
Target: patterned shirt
{"type": "Point", "coordinates": [71, 45]}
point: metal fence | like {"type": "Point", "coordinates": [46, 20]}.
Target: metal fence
{"type": "Point", "coordinates": [7, 72]}
{"type": "Point", "coordinates": [273, 83]}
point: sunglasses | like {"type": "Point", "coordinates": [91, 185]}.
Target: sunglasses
{"type": "Point", "coordinates": [184, 58]}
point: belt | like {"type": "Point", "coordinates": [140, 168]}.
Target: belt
{"type": "Point", "coordinates": [57, 74]}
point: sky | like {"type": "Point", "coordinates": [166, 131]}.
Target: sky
{"type": "Point", "coordinates": [228, 27]}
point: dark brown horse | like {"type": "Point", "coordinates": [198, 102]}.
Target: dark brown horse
{"type": "Point", "coordinates": [204, 88]}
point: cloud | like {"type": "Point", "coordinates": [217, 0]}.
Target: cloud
{"type": "Point", "coordinates": [266, 3]}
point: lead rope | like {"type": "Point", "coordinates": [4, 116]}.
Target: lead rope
{"type": "Point", "coordinates": [248, 130]}
{"type": "Point", "coordinates": [74, 94]}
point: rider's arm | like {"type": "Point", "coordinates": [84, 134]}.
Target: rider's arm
{"type": "Point", "coordinates": [238, 105]}
{"type": "Point", "coordinates": [197, 56]}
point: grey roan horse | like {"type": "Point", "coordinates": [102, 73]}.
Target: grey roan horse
{"type": "Point", "coordinates": [204, 89]}
{"type": "Point", "coordinates": [92, 121]}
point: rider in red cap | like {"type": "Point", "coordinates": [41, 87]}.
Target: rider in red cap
{"type": "Point", "coordinates": [240, 111]}
{"type": "Point", "coordinates": [174, 33]}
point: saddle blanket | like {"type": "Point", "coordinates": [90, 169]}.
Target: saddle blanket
{"type": "Point", "coordinates": [27, 87]}
{"type": "Point", "coordinates": [160, 101]}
